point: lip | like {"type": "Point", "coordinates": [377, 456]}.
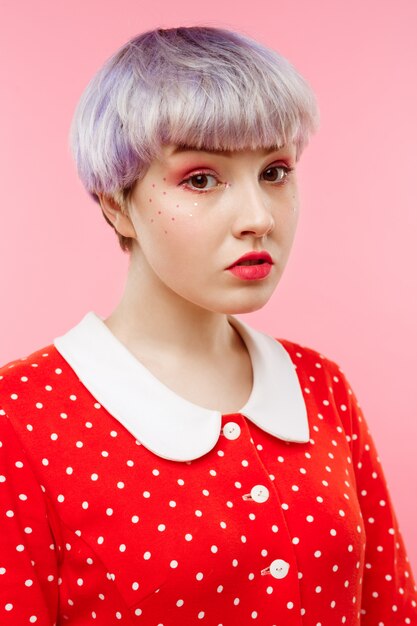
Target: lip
{"type": "Point", "coordinates": [251, 272]}
{"type": "Point", "coordinates": [263, 255]}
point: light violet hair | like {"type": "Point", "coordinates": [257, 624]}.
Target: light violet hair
{"type": "Point", "coordinates": [198, 86]}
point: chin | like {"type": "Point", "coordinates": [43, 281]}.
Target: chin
{"type": "Point", "coordinates": [246, 305]}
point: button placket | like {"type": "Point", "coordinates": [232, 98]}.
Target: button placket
{"type": "Point", "coordinates": [278, 567]}
{"type": "Point", "coordinates": [271, 549]}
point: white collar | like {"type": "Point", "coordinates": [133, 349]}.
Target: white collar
{"type": "Point", "coordinates": [167, 424]}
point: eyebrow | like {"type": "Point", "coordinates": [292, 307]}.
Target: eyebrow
{"type": "Point", "coordinates": [186, 148]}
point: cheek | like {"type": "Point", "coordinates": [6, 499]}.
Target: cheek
{"type": "Point", "coordinates": [182, 228]}
{"type": "Point", "coordinates": [288, 209]}
{"type": "Point", "coordinates": [168, 215]}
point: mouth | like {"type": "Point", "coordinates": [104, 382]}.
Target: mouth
{"type": "Point", "coordinates": [253, 258]}
{"type": "Point", "coordinates": [252, 262]}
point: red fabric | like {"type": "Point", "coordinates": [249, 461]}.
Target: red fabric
{"type": "Point", "coordinates": [95, 529]}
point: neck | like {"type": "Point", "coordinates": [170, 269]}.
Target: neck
{"type": "Point", "coordinates": [151, 317]}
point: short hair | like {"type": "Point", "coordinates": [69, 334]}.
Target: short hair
{"type": "Point", "coordinates": [199, 86]}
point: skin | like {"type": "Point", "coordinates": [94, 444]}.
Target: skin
{"type": "Point", "coordinates": [192, 215]}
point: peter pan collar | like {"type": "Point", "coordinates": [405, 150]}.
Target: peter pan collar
{"type": "Point", "coordinates": [167, 424]}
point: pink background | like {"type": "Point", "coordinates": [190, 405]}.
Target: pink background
{"type": "Point", "coordinates": [349, 287]}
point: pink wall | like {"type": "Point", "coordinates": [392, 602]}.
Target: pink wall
{"type": "Point", "coordinates": [349, 288]}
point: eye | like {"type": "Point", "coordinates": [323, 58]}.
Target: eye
{"type": "Point", "coordinates": [200, 181]}
{"type": "Point", "coordinates": [276, 173]}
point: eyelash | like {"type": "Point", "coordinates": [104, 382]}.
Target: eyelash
{"type": "Point", "coordinates": [286, 169]}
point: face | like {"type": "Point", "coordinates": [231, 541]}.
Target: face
{"type": "Point", "coordinates": [195, 213]}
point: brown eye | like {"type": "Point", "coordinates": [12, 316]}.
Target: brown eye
{"type": "Point", "coordinates": [275, 174]}
{"type": "Point", "coordinates": [199, 180]}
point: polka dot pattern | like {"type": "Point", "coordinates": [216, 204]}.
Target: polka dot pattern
{"type": "Point", "coordinates": [255, 529]}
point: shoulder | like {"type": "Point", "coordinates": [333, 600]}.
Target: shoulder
{"type": "Point", "coordinates": [35, 366]}
{"type": "Point", "coordinates": [321, 375]}
{"type": "Point", "coordinates": [307, 357]}
{"type": "Point", "coordinates": [37, 391]}
{"type": "Point", "coordinates": [23, 380]}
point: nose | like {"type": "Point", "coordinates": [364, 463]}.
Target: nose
{"type": "Point", "coordinates": [254, 215]}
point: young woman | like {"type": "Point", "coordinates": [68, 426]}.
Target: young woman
{"type": "Point", "coordinates": [169, 464]}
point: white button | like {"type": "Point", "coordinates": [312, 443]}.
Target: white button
{"type": "Point", "coordinates": [277, 569]}
{"type": "Point", "coordinates": [258, 493]}
{"type": "Point", "coordinates": [231, 430]}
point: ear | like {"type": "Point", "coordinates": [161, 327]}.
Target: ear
{"type": "Point", "coordinates": [114, 213]}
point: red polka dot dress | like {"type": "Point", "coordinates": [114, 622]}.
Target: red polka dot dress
{"type": "Point", "coordinates": [123, 503]}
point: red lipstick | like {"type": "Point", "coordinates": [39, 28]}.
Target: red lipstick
{"type": "Point", "coordinates": [252, 266]}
